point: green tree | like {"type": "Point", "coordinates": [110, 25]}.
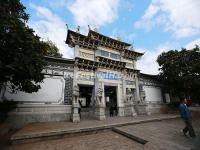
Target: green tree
{"type": "Point", "coordinates": [21, 52]}
{"type": "Point", "coordinates": [180, 72]}
{"type": "Point", "coordinates": [51, 49]}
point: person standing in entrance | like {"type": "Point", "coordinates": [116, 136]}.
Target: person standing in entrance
{"type": "Point", "coordinates": [187, 117]}
{"type": "Point", "coordinates": [80, 106]}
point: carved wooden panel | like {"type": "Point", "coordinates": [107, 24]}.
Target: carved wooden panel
{"type": "Point", "coordinates": [86, 55]}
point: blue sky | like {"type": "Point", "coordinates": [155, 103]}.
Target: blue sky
{"type": "Point", "coordinates": [152, 26]}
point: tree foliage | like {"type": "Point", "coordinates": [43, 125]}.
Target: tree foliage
{"type": "Point", "coordinates": [51, 49]}
{"type": "Point", "coordinates": [21, 52]}
{"type": "Point", "coordinates": [180, 71]}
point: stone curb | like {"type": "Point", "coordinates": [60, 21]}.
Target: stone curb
{"type": "Point", "coordinates": [64, 133]}
{"type": "Point", "coordinates": [135, 138]}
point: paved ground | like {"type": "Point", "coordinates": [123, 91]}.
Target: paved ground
{"type": "Point", "coordinates": [46, 127]}
{"type": "Point", "coordinates": [165, 135]}
{"type": "Point", "coordinates": [105, 140]}
{"type": "Point", "coordinates": [162, 135]}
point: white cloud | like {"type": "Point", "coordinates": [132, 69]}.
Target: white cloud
{"type": "Point", "coordinates": [94, 12]}
{"type": "Point", "coordinates": [58, 4]}
{"type": "Point", "coordinates": [147, 64]}
{"type": "Point", "coordinates": [193, 43]}
{"type": "Point", "coordinates": [49, 25]}
{"type": "Point", "coordinates": [127, 5]}
{"type": "Point", "coordinates": [181, 17]}
{"type": "Point", "coordinates": [146, 20]}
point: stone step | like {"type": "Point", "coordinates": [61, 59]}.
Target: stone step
{"type": "Point", "coordinates": [27, 138]}
{"type": "Point", "coordinates": [4, 129]}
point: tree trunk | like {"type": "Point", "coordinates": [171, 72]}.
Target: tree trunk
{"type": "Point", "coordinates": [2, 91]}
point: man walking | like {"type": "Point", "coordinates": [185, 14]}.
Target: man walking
{"type": "Point", "coordinates": [187, 117]}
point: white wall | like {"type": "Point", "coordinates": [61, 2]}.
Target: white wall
{"type": "Point", "coordinates": [52, 90]}
{"type": "Point", "coordinates": [153, 93]}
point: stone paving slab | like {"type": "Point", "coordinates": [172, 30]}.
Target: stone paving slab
{"type": "Point", "coordinates": [41, 130]}
{"type": "Point", "coordinates": [100, 141]}
{"type": "Point", "coordinates": [163, 135]}
{"type": "Point", "coordinates": [158, 135]}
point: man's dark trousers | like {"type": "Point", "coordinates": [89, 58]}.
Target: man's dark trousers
{"type": "Point", "coordinates": [188, 127]}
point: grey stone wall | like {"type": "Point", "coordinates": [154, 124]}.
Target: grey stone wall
{"type": "Point", "coordinates": [26, 113]}
{"type": "Point", "coordinates": [156, 108]}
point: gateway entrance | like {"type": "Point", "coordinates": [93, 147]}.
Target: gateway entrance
{"type": "Point", "coordinates": [104, 67]}
{"type": "Point", "coordinates": [111, 100]}
{"type": "Point", "coordinates": [85, 100]}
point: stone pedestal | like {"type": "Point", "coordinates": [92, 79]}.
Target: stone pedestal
{"type": "Point", "coordinates": [156, 108]}
{"type": "Point", "coordinates": [120, 111]}
{"type": "Point", "coordinates": [130, 110]}
{"type": "Point", "coordinates": [75, 115]}
{"type": "Point", "coordinates": [100, 112]}
{"type": "Point", "coordinates": [148, 109]}
{"type": "Point", "coordinates": [142, 109]}
{"type": "Point", "coordinates": [75, 105]}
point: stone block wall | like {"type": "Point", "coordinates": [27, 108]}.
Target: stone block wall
{"type": "Point", "coordinates": [25, 114]}
{"type": "Point", "coordinates": [156, 108]}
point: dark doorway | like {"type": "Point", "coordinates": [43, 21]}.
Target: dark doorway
{"type": "Point", "coordinates": [85, 101]}
{"type": "Point", "coordinates": [85, 95]}
{"type": "Point", "coordinates": [111, 100]}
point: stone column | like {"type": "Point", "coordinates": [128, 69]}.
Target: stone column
{"type": "Point", "coordinates": [99, 111]}
{"type": "Point", "coordinates": [75, 117]}
{"type": "Point", "coordinates": [75, 105]}
{"type": "Point", "coordinates": [137, 93]}
{"type": "Point", "coordinates": [134, 113]}
{"type": "Point", "coordinates": [120, 100]}
{"type": "Point", "coordinates": [76, 51]}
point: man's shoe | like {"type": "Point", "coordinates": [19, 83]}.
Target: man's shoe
{"type": "Point", "coordinates": [184, 133]}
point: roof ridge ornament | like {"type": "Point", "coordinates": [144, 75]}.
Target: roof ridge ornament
{"type": "Point", "coordinates": [89, 27]}
{"type": "Point", "coordinates": [78, 29]}
{"type": "Point", "coordinates": [67, 26]}
{"type": "Point", "coordinates": [131, 47]}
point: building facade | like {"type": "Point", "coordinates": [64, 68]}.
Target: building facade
{"type": "Point", "coordinates": [101, 79]}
